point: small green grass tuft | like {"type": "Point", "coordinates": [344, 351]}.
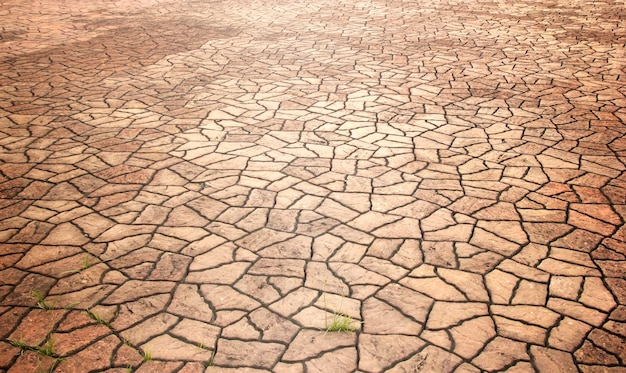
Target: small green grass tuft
{"type": "Point", "coordinates": [19, 344]}
{"type": "Point", "coordinates": [147, 355]}
{"type": "Point", "coordinates": [47, 349]}
{"type": "Point", "coordinates": [97, 317]}
{"type": "Point", "coordinates": [41, 301]}
{"type": "Point", "coordinates": [86, 263]}
{"type": "Point", "coordinates": [340, 323]}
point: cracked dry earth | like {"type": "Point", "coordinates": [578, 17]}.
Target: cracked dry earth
{"type": "Point", "coordinates": [192, 186]}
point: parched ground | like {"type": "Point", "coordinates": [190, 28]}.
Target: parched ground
{"type": "Point", "coordinates": [192, 185]}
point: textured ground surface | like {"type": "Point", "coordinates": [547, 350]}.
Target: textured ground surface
{"type": "Point", "coordinates": [211, 183]}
